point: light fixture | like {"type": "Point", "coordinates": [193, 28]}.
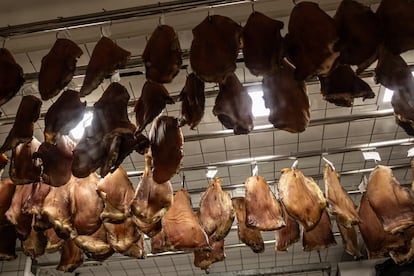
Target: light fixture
{"type": "Point", "coordinates": [258, 107]}
{"type": "Point", "coordinates": [77, 132]}
{"type": "Point", "coordinates": [211, 172]}
{"type": "Point", "coordinates": [371, 154]}
{"type": "Point", "coordinates": [388, 94]}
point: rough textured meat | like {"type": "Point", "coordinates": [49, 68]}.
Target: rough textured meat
{"type": "Point", "coordinates": [23, 126]}
{"type": "Point", "coordinates": [340, 204]}
{"type": "Point", "coordinates": [192, 101]}
{"type": "Point", "coordinates": [16, 215]}
{"type": "Point", "coordinates": [154, 97]}
{"type": "Point", "coordinates": [349, 239]}
{"type": "Point", "coordinates": [162, 55]}
{"type": "Point", "coordinates": [342, 86]}
{"type": "Point", "coordinates": [35, 244]}
{"type": "Point", "coordinates": [393, 204]}
{"type": "Point", "coordinates": [137, 250]}
{"type": "Point", "coordinates": [302, 197]}
{"type": "Point", "coordinates": [262, 43]}
{"type": "Point", "coordinates": [359, 34]}
{"type": "Point", "coordinates": [181, 227]}
{"type": "Point", "coordinates": [71, 257]}
{"type": "Point", "coordinates": [397, 24]}
{"type": "Point", "coordinates": [404, 254]}
{"type": "Point", "coordinates": [287, 235]}
{"type": "Point", "coordinates": [121, 236]}
{"type": "Point", "coordinates": [216, 214]}
{"type": "Point", "coordinates": [116, 191]}
{"type": "Point", "coordinates": [287, 99]}
{"type": "Point", "coordinates": [204, 259]}
{"type": "Point", "coordinates": [11, 76]}
{"type": "Point", "coordinates": [8, 242]}
{"type": "Point", "coordinates": [95, 245]}
{"type": "Point", "coordinates": [233, 106]}
{"type": "Point", "coordinates": [159, 243]}
{"type": "Point", "coordinates": [263, 210]}
{"type": "Point", "coordinates": [311, 49]}
{"type": "Point", "coordinates": [63, 115]}
{"type": "Point", "coordinates": [319, 237]}
{"type": "Point", "coordinates": [149, 229]}
{"type": "Point", "coordinates": [166, 148]}
{"type": "Point", "coordinates": [106, 58]}
{"type": "Point", "coordinates": [58, 67]}
{"type": "Point", "coordinates": [24, 168]}
{"type": "Point", "coordinates": [151, 199]}
{"type": "Point", "coordinates": [34, 203]}
{"type": "Point", "coordinates": [214, 49]}
{"type": "Point", "coordinates": [377, 242]}
{"type": "Point", "coordinates": [251, 237]}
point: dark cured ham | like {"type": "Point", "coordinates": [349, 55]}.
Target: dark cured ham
{"type": "Point", "coordinates": [192, 101]}
{"type": "Point", "coordinates": [162, 55]}
{"type": "Point", "coordinates": [11, 76]}
{"type": "Point", "coordinates": [105, 59]}
{"type": "Point", "coordinates": [214, 49]}
{"type": "Point", "coordinates": [263, 210]}
{"type": "Point", "coordinates": [204, 259]}
{"type": "Point", "coordinates": [251, 237]}
{"type": "Point", "coordinates": [262, 43]}
{"type": "Point", "coordinates": [280, 90]}
{"type": "Point", "coordinates": [392, 203]}
{"type": "Point", "coordinates": [311, 50]}
{"type": "Point", "coordinates": [71, 257]}
{"type": "Point", "coordinates": [23, 168]}
{"type": "Point", "coordinates": [287, 235]}
{"type": "Point", "coordinates": [349, 240]}
{"type": "Point", "coordinates": [321, 236]}
{"type": "Point", "coordinates": [233, 106]}
{"type": "Point", "coordinates": [58, 67]}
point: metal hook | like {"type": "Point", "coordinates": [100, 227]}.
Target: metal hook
{"type": "Point", "coordinates": [329, 163]}
{"type": "Point", "coordinates": [183, 181]}
{"type": "Point", "coordinates": [253, 6]}
{"type": "Point", "coordinates": [4, 42]}
{"type": "Point", "coordinates": [294, 2]}
{"type": "Point", "coordinates": [295, 164]}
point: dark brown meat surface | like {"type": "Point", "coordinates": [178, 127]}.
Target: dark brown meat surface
{"type": "Point", "coordinates": [192, 101]}
{"type": "Point", "coordinates": [11, 76]}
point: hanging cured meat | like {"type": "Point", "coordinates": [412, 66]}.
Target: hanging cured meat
{"type": "Point", "coordinates": [63, 115]}
{"type": "Point", "coordinates": [149, 229]}
{"type": "Point", "coordinates": [359, 34]}
{"type": "Point", "coordinates": [216, 214]}
{"type": "Point", "coordinates": [16, 215]}
{"type": "Point", "coordinates": [137, 249]}
{"type": "Point", "coordinates": [35, 244]}
{"type": "Point", "coordinates": [340, 204]}
{"type": "Point", "coordinates": [214, 49]}
{"type": "Point", "coordinates": [349, 239]}
{"type": "Point", "coordinates": [116, 191]}
{"type": "Point", "coordinates": [166, 148]}
{"type": "Point", "coordinates": [204, 259]}
{"type": "Point", "coordinates": [181, 227]}
{"type": "Point", "coordinates": [377, 242]}
{"type": "Point", "coordinates": [404, 254]}
{"type": "Point", "coordinates": [302, 197]}
{"type": "Point", "coordinates": [110, 137]}
{"type": "Point", "coordinates": [280, 90]}
{"type": "Point", "coordinates": [311, 50]}
{"type": "Point", "coordinates": [95, 245]}
{"type": "Point", "coordinates": [7, 189]}
{"type": "Point", "coordinates": [154, 97]}
{"type": "Point", "coordinates": [319, 237]}
{"type": "Point", "coordinates": [162, 55]}
{"type": "Point", "coordinates": [396, 23]}
{"type": "Point", "coordinates": [151, 199]}
{"type": "Point", "coordinates": [251, 237]}
{"type": "Point", "coordinates": [159, 243]}
{"type": "Point", "coordinates": [262, 43]}
{"type": "Point", "coordinates": [121, 236]}
{"type": "Point", "coordinates": [105, 59]}
{"type": "Point", "coordinates": [233, 106]}
{"type": "Point", "coordinates": [11, 76]}
{"type": "Point", "coordinates": [54, 243]}
{"type": "Point", "coordinates": [342, 86]}
{"type": "Point", "coordinates": [263, 210]}
{"type": "Point", "coordinates": [71, 257]}
{"type": "Point", "coordinates": [393, 204]}
{"type": "Point", "coordinates": [23, 168]}
{"type": "Point", "coordinates": [58, 67]}
{"type": "Point", "coordinates": [192, 101]}
{"type": "Point", "coordinates": [34, 203]}
{"type": "Point", "coordinates": [287, 235]}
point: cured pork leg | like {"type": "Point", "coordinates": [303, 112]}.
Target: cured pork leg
{"type": "Point", "coordinates": [233, 106]}
{"type": "Point", "coordinates": [24, 168]}
{"type": "Point", "coordinates": [58, 67]}
{"type": "Point", "coordinates": [319, 237]}
{"type": "Point", "coordinates": [392, 203]}
{"type": "Point", "coordinates": [262, 43]}
{"type": "Point", "coordinates": [106, 58]}
{"type": "Point", "coordinates": [302, 197]}
{"type": "Point", "coordinates": [349, 239]}
{"type": "Point", "coordinates": [149, 229]}
{"type": "Point", "coordinates": [11, 76]}
{"type": "Point", "coordinates": [404, 254]}
{"type": "Point", "coordinates": [137, 250]}
{"type": "Point", "coordinates": [263, 210]}
{"type": "Point", "coordinates": [7, 189]}
{"type": "Point", "coordinates": [71, 257]}
{"type": "Point", "coordinates": [162, 55]}
{"type": "Point", "coordinates": [54, 243]}
{"type": "Point", "coordinates": [192, 101]}
{"type": "Point", "coordinates": [95, 245]}
{"type": "Point", "coordinates": [121, 236]}
{"type": "Point", "coordinates": [35, 244]}
{"type": "Point", "coordinates": [204, 259]}
{"type": "Point", "coordinates": [251, 237]}
{"type": "Point", "coordinates": [16, 215]}
{"type": "Point", "coordinates": [287, 235]}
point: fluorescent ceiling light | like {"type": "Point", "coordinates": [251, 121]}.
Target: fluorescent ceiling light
{"type": "Point", "coordinates": [371, 155]}
{"type": "Point", "coordinates": [388, 94]}
{"type": "Point", "coordinates": [211, 172]}
{"type": "Point", "coordinates": [78, 130]}
{"type": "Point", "coordinates": [258, 107]}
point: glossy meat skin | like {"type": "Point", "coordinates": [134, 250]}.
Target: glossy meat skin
{"type": "Point", "coordinates": [301, 196]}
{"type": "Point", "coordinates": [23, 168]}
{"type": "Point", "coordinates": [287, 235]}
{"type": "Point", "coordinates": [11, 76]}
{"type": "Point", "coordinates": [262, 43]}
{"type": "Point", "coordinates": [54, 243]}
{"type": "Point", "coordinates": [251, 237]}
{"type": "Point", "coordinates": [287, 99]}
{"type": "Point", "coordinates": [166, 148]}
{"type": "Point", "coordinates": [105, 59]}
{"type": "Point", "coordinates": [263, 210]}
{"type": "Point", "coordinates": [95, 245]}
{"type": "Point", "coordinates": [233, 106]}
{"type": "Point", "coordinates": [216, 214]}
{"type": "Point", "coordinates": [121, 236]}
{"type": "Point", "coordinates": [349, 239]}
{"type": "Point", "coordinates": [58, 67]}
{"type": "Point", "coordinates": [137, 249]}
{"type": "Point", "coordinates": [162, 55]}
{"type": "Point", "coordinates": [340, 204]}
{"type": "Point", "coordinates": [204, 259]}
{"type": "Point", "coordinates": [214, 49]}
{"type": "Point", "coordinates": [154, 97]}
{"type": "Point", "coordinates": [311, 50]}
{"type": "Point", "coordinates": [71, 257]}
{"type": "Point", "coordinates": [192, 101]}
{"type": "Point", "coordinates": [321, 236]}
{"type": "Point", "coordinates": [393, 204]}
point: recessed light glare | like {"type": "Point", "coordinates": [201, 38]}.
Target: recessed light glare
{"type": "Point", "coordinates": [258, 107]}
{"type": "Point", "coordinates": [78, 130]}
